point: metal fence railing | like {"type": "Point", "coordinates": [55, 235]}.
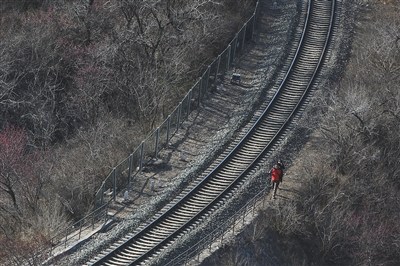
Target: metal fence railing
{"type": "Point", "coordinates": [74, 233]}
{"type": "Point", "coordinates": [218, 233]}
{"type": "Point", "coordinates": [123, 174]}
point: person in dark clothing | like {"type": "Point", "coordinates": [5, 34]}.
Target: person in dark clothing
{"type": "Point", "coordinates": [281, 164]}
{"type": "Point", "coordinates": [276, 176]}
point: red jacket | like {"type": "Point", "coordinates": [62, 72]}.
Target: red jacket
{"type": "Point", "coordinates": [276, 174]}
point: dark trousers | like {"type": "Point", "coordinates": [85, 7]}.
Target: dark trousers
{"type": "Point", "coordinates": [275, 185]}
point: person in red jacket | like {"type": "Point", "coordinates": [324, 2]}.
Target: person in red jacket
{"type": "Point", "coordinates": [276, 177]}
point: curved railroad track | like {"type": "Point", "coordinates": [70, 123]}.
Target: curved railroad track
{"type": "Point", "coordinates": [227, 175]}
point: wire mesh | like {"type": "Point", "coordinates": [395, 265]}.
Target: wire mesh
{"type": "Point", "coordinates": [136, 161]}
{"type": "Point", "coordinates": [121, 173]}
{"type": "Point", "coordinates": [207, 80]}
{"type": "Point", "coordinates": [149, 147]}
{"type": "Point", "coordinates": [203, 85]}
{"type": "Point", "coordinates": [159, 139]}
{"type": "Point", "coordinates": [131, 166]}
{"type": "Point", "coordinates": [108, 185]}
{"type": "Point", "coordinates": [163, 134]}
{"type": "Point", "coordinates": [185, 109]}
{"type": "Point", "coordinates": [234, 50]}
{"type": "Point", "coordinates": [213, 72]}
{"type": "Point", "coordinates": [240, 41]}
{"type": "Point", "coordinates": [249, 29]}
{"type": "Point", "coordinates": [223, 66]}
{"type": "Point", "coordinates": [174, 121]}
{"type": "Point", "coordinates": [218, 232]}
{"type": "Point", "coordinates": [98, 200]}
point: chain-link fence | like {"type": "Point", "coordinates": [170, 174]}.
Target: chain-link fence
{"type": "Point", "coordinates": [122, 175]}
{"type": "Point", "coordinates": [217, 235]}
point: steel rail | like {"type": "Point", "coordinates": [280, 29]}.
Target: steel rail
{"type": "Point", "coordinates": [227, 176]}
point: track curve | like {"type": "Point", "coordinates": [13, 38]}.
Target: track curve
{"type": "Point", "coordinates": [222, 182]}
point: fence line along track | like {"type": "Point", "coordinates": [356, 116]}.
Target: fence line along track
{"type": "Point", "coordinates": [222, 182]}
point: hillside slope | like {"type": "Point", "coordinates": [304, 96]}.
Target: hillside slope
{"type": "Point", "coordinates": [340, 201]}
{"type": "Point", "coordinates": [208, 129]}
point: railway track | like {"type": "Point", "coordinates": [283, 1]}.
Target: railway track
{"type": "Point", "coordinates": [227, 175]}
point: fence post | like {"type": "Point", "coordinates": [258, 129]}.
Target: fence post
{"type": "Point", "coordinates": [198, 254]}
{"type": "Point", "coordinates": [228, 63]}
{"type": "Point", "coordinates": [179, 115]}
{"type": "Point", "coordinates": [253, 25]}
{"type": "Point", "coordinates": [234, 223]}
{"type": "Point", "coordinates": [80, 229]}
{"type": "Point", "coordinates": [244, 214]}
{"type": "Point", "coordinates": [200, 85]}
{"type": "Point", "coordinates": [157, 142]}
{"type": "Point", "coordinates": [189, 100]}
{"type": "Point", "coordinates": [102, 193]}
{"type": "Point", "coordinates": [66, 238]}
{"type": "Point", "coordinates": [141, 156]}
{"type": "Point", "coordinates": [93, 221]}
{"type": "Point", "coordinates": [208, 77]}
{"type": "Point", "coordinates": [244, 37]}
{"type": "Point", "coordinates": [130, 169]}
{"type": "Point", "coordinates": [256, 11]}
{"type": "Point", "coordinates": [235, 43]}
{"type": "Point", "coordinates": [105, 213]}
{"type": "Point", "coordinates": [51, 247]}
{"type": "Point", "coordinates": [168, 127]}
{"type": "Point", "coordinates": [216, 73]}
{"type": "Point", "coordinates": [114, 183]}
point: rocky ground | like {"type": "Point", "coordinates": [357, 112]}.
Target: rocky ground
{"type": "Point", "coordinates": [210, 129]}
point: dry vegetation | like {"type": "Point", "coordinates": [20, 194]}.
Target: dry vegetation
{"type": "Point", "coordinates": [347, 209]}
{"type": "Point", "coordinates": [81, 83]}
